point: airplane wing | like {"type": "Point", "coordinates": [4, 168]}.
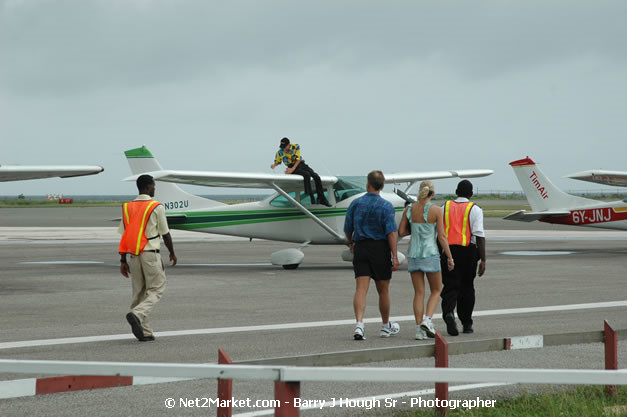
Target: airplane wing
{"type": "Point", "coordinates": [232, 179]}
{"type": "Point", "coordinates": [412, 177]}
{"type": "Point", "coordinates": [524, 216]}
{"type": "Point", "coordinates": [26, 172]}
{"type": "Point", "coordinates": [615, 178]}
{"type": "Point", "coordinates": [289, 182]}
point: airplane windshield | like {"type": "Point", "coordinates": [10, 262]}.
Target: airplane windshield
{"type": "Point", "coordinates": [281, 201]}
{"type": "Point", "coordinates": [346, 187]}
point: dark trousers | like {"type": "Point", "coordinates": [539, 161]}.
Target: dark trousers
{"type": "Point", "coordinates": [308, 173]}
{"type": "Point", "coordinates": [458, 285]}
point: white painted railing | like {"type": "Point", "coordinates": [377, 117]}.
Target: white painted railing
{"type": "Point", "coordinates": [328, 374]}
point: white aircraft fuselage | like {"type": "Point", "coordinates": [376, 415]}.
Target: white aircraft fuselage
{"type": "Point", "coordinates": [262, 220]}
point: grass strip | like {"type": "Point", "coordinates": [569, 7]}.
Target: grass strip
{"type": "Point", "coordinates": [578, 402]}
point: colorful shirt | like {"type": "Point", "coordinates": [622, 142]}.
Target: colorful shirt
{"type": "Point", "coordinates": [370, 217]}
{"type": "Point", "coordinates": [289, 155]}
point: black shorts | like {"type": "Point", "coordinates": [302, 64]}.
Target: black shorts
{"type": "Point", "coordinates": [373, 258]}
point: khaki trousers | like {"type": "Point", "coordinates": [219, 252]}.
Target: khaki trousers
{"type": "Point", "coordinates": [148, 282]}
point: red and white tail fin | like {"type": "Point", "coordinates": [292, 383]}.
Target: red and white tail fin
{"type": "Point", "coordinates": [540, 191]}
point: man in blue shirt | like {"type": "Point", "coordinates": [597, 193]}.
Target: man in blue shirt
{"type": "Point", "coordinates": [372, 234]}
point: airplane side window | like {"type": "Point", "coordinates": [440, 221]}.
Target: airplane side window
{"type": "Point", "coordinates": [281, 201]}
{"type": "Point", "coordinates": [344, 194]}
{"type": "Point", "coordinates": [305, 200]}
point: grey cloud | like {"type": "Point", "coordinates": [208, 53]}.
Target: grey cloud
{"type": "Point", "coordinates": [70, 46]}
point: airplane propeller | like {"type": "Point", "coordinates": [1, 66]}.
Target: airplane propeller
{"type": "Point", "coordinates": [404, 196]}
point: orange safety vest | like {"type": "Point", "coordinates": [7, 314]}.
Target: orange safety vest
{"type": "Point", "coordinates": [135, 215]}
{"type": "Point", "coordinates": [456, 225]}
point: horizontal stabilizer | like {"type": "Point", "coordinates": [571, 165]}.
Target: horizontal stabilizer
{"type": "Point", "coordinates": [524, 216]}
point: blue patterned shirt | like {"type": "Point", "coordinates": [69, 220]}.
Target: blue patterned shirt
{"type": "Point", "coordinates": [370, 217]}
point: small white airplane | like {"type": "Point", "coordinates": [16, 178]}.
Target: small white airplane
{"type": "Point", "coordinates": [31, 172]}
{"type": "Point", "coordinates": [288, 215]}
{"type": "Point", "coordinates": [599, 176]}
{"type": "Point", "coordinates": [551, 205]}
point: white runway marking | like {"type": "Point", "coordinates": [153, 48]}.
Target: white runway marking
{"type": "Point", "coordinates": [9, 235]}
{"type": "Point", "coordinates": [537, 252]}
{"type": "Point", "coordinates": [527, 235]}
{"type": "Point", "coordinates": [303, 325]}
{"type": "Point", "coordinates": [61, 262]}
{"type": "Point", "coordinates": [102, 263]}
{"type": "Point", "coordinates": [252, 264]}
{"type": "Point", "coordinates": [80, 235]}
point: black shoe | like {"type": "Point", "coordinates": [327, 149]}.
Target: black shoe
{"type": "Point", "coordinates": [136, 326]}
{"type": "Point", "coordinates": [451, 326]}
{"type": "Point", "coordinates": [468, 328]}
{"type": "Point", "coordinates": [147, 338]}
{"type": "Point", "coordinates": [324, 202]}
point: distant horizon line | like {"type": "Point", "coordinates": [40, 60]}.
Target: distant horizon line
{"type": "Point", "coordinates": [614, 190]}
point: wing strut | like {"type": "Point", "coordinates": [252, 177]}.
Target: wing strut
{"type": "Point", "coordinates": [308, 213]}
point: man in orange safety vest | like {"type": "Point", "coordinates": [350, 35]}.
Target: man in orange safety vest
{"type": "Point", "coordinates": [463, 225]}
{"type": "Point", "coordinates": [143, 222]}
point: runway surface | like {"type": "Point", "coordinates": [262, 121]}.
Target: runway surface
{"type": "Point", "coordinates": [64, 299]}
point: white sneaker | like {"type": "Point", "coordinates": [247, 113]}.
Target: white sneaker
{"type": "Point", "coordinates": [359, 333]}
{"type": "Point", "coordinates": [390, 329]}
{"type": "Point", "coordinates": [420, 334]}
{"type": "Point", "coordinates": [427, 326]}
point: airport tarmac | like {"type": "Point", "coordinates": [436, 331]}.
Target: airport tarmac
{"type": "Point", "coordinates": [64, 299]}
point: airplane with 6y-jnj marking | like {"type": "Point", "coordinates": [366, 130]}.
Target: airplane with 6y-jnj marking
{"type": "Point", "coordinates": [287, 215]}
{"type": "Point", "coordinates": [551, 205]}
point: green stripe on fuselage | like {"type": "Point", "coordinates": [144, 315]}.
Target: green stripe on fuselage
{"type": "Point", "coordinates": [208, 219]}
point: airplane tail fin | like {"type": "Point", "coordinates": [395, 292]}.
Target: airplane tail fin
{"type": "Point", "coordinates": [173, 197]}
{"type": "Point", "coordinates": [540, 191]}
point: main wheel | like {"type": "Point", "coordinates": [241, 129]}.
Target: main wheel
{"type": "Point", "coordinates": [290, 266]}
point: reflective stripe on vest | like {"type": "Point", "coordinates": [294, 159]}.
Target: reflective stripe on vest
{"type": "Point", "coordinates": [135, 218]}
{"type": "Point", "coordinates": [456, 225]}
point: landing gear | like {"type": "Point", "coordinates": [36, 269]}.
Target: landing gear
{"type": "Point", "coordinates": [288, 258]}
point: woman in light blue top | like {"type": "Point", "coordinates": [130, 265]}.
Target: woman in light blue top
{"type": "Point", "coordinates": [424, 222]}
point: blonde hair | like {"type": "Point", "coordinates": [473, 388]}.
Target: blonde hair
{"type": "Point", "coordinates": [425, 190]}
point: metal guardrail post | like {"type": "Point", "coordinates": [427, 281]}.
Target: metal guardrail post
{"type": "Point", "coordinates": [285, 393]}
{"type": "Point", "coordinates": [225, 387]}
{"type": "Point", "coordinates": [441, 361]}
{"type": "Point", "coordinates": [611, 355]}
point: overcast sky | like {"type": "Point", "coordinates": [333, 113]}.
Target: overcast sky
{"type": "Point", "coordinates": [360, 85]}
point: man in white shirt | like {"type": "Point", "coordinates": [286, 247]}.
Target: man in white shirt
{"type": "Point", "coordinates": [463, 223]}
